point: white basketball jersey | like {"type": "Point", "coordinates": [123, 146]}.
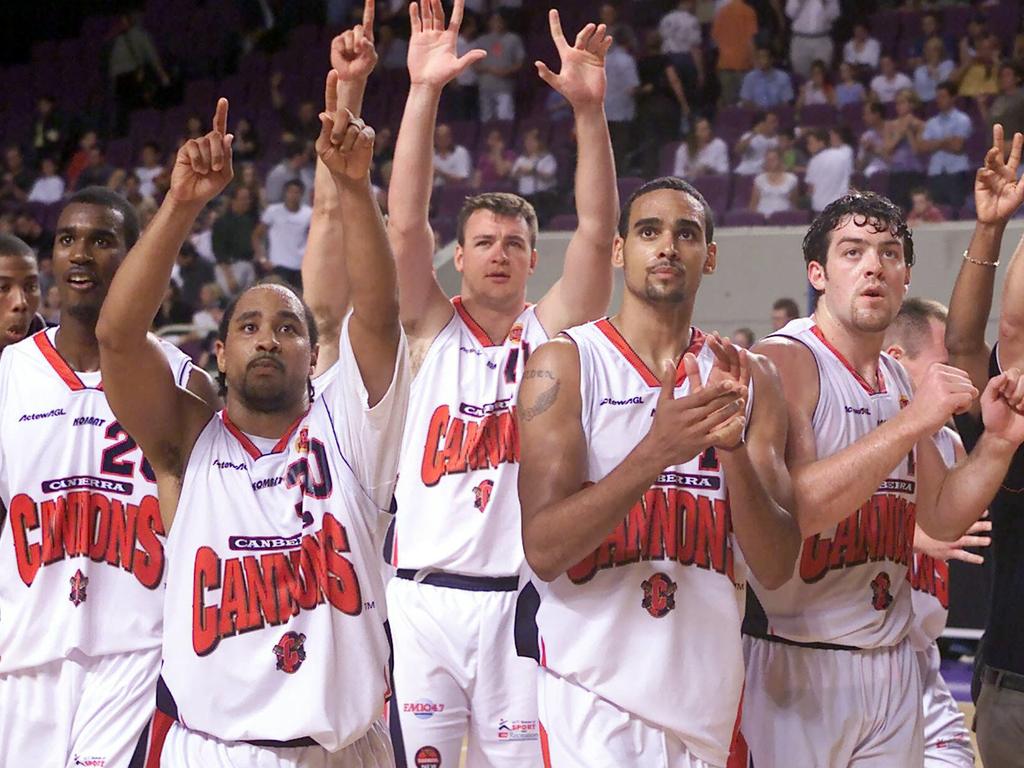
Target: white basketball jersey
{"type": "Point", "coordinates": [929, 578]}
{"type": "Point", "coordinates": [650, 621]}
{"type": "Point", "coordinates": [849, 585]}
{"type": "Point", "coordinates": [457, 495]}
{"type": "Point", "coordinates": [82, 548]}
{"type": "Point", "coordinates": [274, 621]}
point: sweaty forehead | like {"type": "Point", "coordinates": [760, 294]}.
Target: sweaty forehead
{"type": "Point", "coordinates": [269, 299]}
{"type": "Point", "coordinates": [17, 265]}
{"type": "Point", "coordinates": [485, 222]}
{"type": "Point", "coordinates": [668, 205]}
{"type": "Point", "coordinates": [864, 228]}
{"type": "Point", "coordinates": [88, 217]}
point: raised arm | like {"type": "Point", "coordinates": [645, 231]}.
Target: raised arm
{"type": "Point", "coordinates": [324, 279]}
{"type": "Point", "coordinates": [433, 63]}
{"type": "Point", "coordinates": [583, 291]}
{"type": "Point", "coordinates": [140, 388]}
{"type": "Point", "coordinates": [345, 147]}
{"type": "Point", "coordinates": [997, 195]}
{"type": "Point", "coordinates": [828, 489]}
{"type": "Point", "coordinates": [564, 517]}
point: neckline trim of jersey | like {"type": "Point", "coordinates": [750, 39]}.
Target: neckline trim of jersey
{"type": "Point", "coordinates": [60, 366]}
{"type": "Point", "coordinates": [877, 390]}
{"type": "Point", "coordinates": [250, 446]}
{"type": "Point", "coordinates": [619, 341]}
{"type": "Point", "coordinates": [475, 328]}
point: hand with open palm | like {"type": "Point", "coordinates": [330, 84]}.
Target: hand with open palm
{"type": "Point", "coordinates": [433, 57]}
{"type": "Point", "coordinates": [582, 79]}
{"type": "Point", "coordinates": [998, 193]}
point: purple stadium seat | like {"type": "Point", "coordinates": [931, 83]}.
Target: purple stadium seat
{"type": "Point", "coordinates": [955, 18]}
{"type": "Point", "coordinates": [715, 190]}
{"type": "Point", "coordinates": [878, 182]}
{"type": "Point", "coordinates": [790, 218]}
{"type": "Point", "coordinates": [120, 153]}
{"type": "Point", "coordinates": [445, 227]}
{"type": "Point", "coordinates": [741, 189]}
{"type": "Point", "coordinates": [627, 186]}
{"type": "Point", "coordinates": [449, 199]}
{"type": "Point", "coordinates": [667, 158]}
{"type": "Point", "coordinates": [743, 217]}
{"type": "Point", "coordinates": [818, 115]}
{"type": "Point", "coordinates": [464, 132]}
{"type": "Point", "coordinates": [563, 222]}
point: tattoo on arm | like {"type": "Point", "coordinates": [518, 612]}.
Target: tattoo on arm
{"type": "Point", "coordinates": [544, 401]}
{"type": "Point", "coordinates": [532, 374]}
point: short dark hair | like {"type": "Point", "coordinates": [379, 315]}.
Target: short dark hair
{"type": "Point", "coordinates": [107, 198]}
{"type": "Point", "coordinates": [229, 313]}
{"type": "Point", "coordinates": [294, 149]}
{"type": "Point", "coordinates": [866, 208]}
{"type": "Point", "coordinates": [789, 306]}
{"type": "Point", "coordinates": [878, 109]}
{"type": "Point", "coordinates": [669, 182]}
{"type": "Point", "coordinates": [948, 86]}
{"type": "Point", "coordinates": [10, 245]}
{"type": "Point", "coordinates": [911, 324]}
{"type": "Point", "coordinates": [152, 145]}
{"type": "Point", "coordinates": [921, 191]}
{"type": "Point", "coordinates": [500, 204]}
{"type": "Point", "coordinates": [295, 183]}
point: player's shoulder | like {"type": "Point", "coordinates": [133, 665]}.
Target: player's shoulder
{"type": "Point", "coordinates": [784, 353]}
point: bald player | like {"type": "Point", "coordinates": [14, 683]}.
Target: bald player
{"type": "Point", "coordinates": [916, 339]}
{"type": "Point", "coordinates": [832, 679]}
{"type": "Point", "coordinates": [82, 548]}
{"type": "Point", "coordinates": [275, 651]}
{"type": "Point", "coordinates": [653, 481]}
{"type": "Point", "coordinates": [19, 291]}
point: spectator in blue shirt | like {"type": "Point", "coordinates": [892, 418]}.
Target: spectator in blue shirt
{"type": "Point", "coordinates": [943, 138]}
{"type": "Point", "coordinates": [765, 86]}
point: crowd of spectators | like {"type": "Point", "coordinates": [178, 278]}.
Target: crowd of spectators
{"type": "Point", "coordinates": [773, 108]}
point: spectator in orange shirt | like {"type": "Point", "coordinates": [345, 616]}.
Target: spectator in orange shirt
{"type": "Point", "coordinates": [733, 31]}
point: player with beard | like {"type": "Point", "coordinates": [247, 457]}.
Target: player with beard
{"type": "Point", "coordinates": [19, 291]}
{"type": "Point", "coordinates": [82, 548]}
{"type": "Point", "coordinates": [646, 499]}
{"type": "Point", "coordinates": [832, 679]}
{"type": "Point", "coordinates": [274, 501]}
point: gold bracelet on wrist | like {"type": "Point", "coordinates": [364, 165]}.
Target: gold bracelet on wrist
{"type": "Point", "coordinates": [982, 263]}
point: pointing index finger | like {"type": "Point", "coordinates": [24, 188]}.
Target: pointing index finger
{"type": "Point", "coordinates": [220, 117]}
{"type": "Point", "coordinates": [368, 11]}
{"type": "Point", "coordinates": [331, 93]}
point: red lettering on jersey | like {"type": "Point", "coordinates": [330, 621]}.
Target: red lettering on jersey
{"type": "Point", "coordinates": [930, 576]}
{"type": "Point", "coordinates": [882, 529]}
{"type": "Point", "coordinates": [467, 445]}
{"type": "Point", "coordinates": [89, 524]}
{"type": "Point", "coordinates": [666, 524]}
{"type": "Point", "coordinates": [271, 588]}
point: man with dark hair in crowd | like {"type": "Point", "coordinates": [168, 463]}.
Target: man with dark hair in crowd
{"type": "Point", "coordinates": [19, 291]}
{"type": "Point", "coordinates": [67, 669]}
{"type": "Point", "coordinates": [193, 273]}
{"type": "Point", "coordinates": [232, 239]}
{"type": "Point", "coordinates": [998, 195]}
{"type": "Point", "coordinates": [279, 240]}
{"type": "Point", "coordinates": [784, 310]}
{"type": "Point", "coordinates": [293, 166]}
{"type": "Point", "coordinates": [17, 178]}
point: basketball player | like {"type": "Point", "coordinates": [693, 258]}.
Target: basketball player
{"type": "Point", "coordinates": [916, 339]}
{"type": "Point", "coordinates": [457, 543]}
{"type": "Point", "coordinates": [999, 665]}
{"type": "Point", "coordinates": [831, 677]}
{"type": "Point", "coordinates": [275, 499]}
{"type": "Point", "coordinates": [641, 574]}
{"type": "Point", "coordinates": [82, 551]}
{"type": "Point", "coordinates": [19, 291]}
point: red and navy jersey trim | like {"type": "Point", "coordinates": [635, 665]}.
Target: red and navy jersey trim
{"type": "Point", "coordinates": [650, 379]}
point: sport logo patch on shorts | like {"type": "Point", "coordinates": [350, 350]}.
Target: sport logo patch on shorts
{"type": "Point", "coordinates": [659, 595]}
{"type": "Point", "coordinates": [90, 762]}
{"type": "Point", "coordinates": [428, 757]}
{"type": "Point", "coordinates": [290, 652]}
{"type": "Point", "coordinates": [517, 730]}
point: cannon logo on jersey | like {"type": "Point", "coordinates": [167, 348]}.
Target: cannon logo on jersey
{"type": "Point", "coordinates": [79, 583]}
{"type": "Point", "coordinates": [88, 524]}
{"type": "Point", "coordinates": [271, 588]}
{"type": "Point", "coordinates": [881, 597]}
{"type": "Point", "coordinates": [482, 494]}
{"type": "Point", "coordinates": [455, 445]}
{"type": "Point", "coordinates": [930, 576]}
{"type": "Point", "coordinates": [659, 595]}
{"type": "Point", "coordinates": [666, 524]}
{"type": "Point", "coordinates": [290, 652]}
{"type": "Point", "coordinates": [882, 529]}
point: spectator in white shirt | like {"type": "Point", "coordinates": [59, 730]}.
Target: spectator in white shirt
{"type": "Point", "coordinates": [452, 163]}
{"type": "Point", "coordinates": [889, 81]}
{"type": "Point", "coordinates": [150, 167]}
{"type": "Point", "coordinates": [862, 50]}
{"type": "Point", "coordinates": [681, 42]}
{"type": "Point", "coordinates": [279, 240]}
{"type": "Point", "coordinates": [620, 100]}
{"type": "Point", "coordinates": [811, 24]}
{"type": "Point", "coordinates": [829, 169]}
{"type": "Point", "coordinates": [536, 171]}
{"type": "Point", "coordinates": [774, 188]}
{"type": "Point", "coordinates": [753, 145]}
{"type": "Point", "coordinates": [702, 153]}
{"type": "Point", "coordinates": [48, 186]}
